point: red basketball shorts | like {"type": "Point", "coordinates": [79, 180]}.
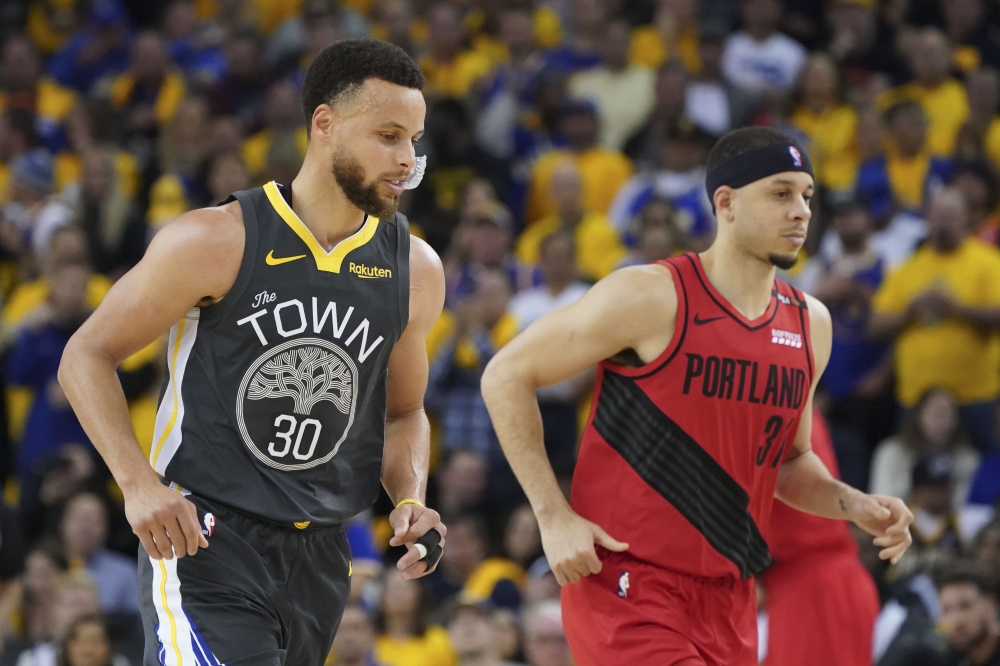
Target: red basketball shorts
{"type": "Point", "coordinates": [636, 614]}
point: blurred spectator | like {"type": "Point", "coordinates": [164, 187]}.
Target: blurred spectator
{"type": "Point", "coordinates": [522, 541]}
{"type": "Point", "coordinates": [24, 88]}
{"type": "Point", "coordinates": [31, 217]}
{"type": "Point", "coordinates": [11, 568]}
{"type": "Point", "coordinates": [184, 148]}
{"type": "Point", "coordinates": [355, 640]}
{"type": "Point", "coordinates": [395, 24]}
{"type": "Point", "coordinates": [240, 92]}
{"type": "Point", "coordinates": [679, 178]}
{"type": "Point", "coordinates": [507, 626]}
{"type": "Point", "coordinates": [148, 93]}
{"type": "Point", "coordinates": [977, 183]}
{"type": "Point", "coordinates": [90, 127]}
{"type": "Point", "coordinates": [904, 176]}
{"type": "Point", "coordinates": [937, 534]}
{"type": "Point", "coordinates": [453, 162]}
{"type": "Point", "coordinates": [986, 549]}
{"type": "Point", "coordinates": [860, 41]}
{"type": "Point", "coordinates": [760, 57]}
{"type": "Point", "coordinates": [583, 49]}
{"type": "Point", "coordinates": [713, 103]}
{"type": "Point", "coordinates": [622, 93]}
{"type": "Point", "coordinates": [597, 248]}
{"type": "Point", "coordinates": [461, 480]}
{"type": "Point", "coordinates": [969, 617]}
{"type": "Point", "coordinates": [672, 34]}
{"type": "Point", "coordinates": [43, 567]}
{"type": "Point", "coordinates": [544, 638]}
{"type": "Point", "coordinates": [101, 49]}
{"type": "Point", "coordinates": [980, 135]}
{"type": "Point", "coordinates": [116, 233]}
{"type": "Point", "coordinates": [466, 573]}
{"type": "Point", "coordinates": [860, 369]}
{"type": "Point", "coordinates": [657, 235]}
{"type": "Point", "coordinates": [189, 45]}
{"type": "Point", "coordinates": [973, 42]}
{"type": "Point", "coordinates": [480, 328]}
{"type": "Point", "coordinates": [366, 558]}
{"type": "Point", "coordinates": [602, 171]}
{"type": "Point", "coordinates": [282, 121]}
{"type": "Point", "coordinates": [405, 637]}
{"type": "Point", "coordinates": [50, 23]}
{"type": "Point", "coordinates": [671, 93]}
{"type": "Point", "coordinates": [84, 532]}
{"type": "Point", "coordinates": [450, 68]}
{"type": "Point", "coordinates": [74, 599]}
{"type": "Point", "coordinates": [290, 39]}
{"type": "Point", "coordinates": [942, 97]}
{"type": "Point", "coordinates": [17, 137]}
{"type": "Point", "coordinates": [226, 174]}
{"type": "Point", "coordinates": [87, 643]}
{"type": "Point", "coordinates": [830, 125]}
{"type": "Point", "coordinates": [941, 307]}
{"type": "Point", "coordinates": [559, 403]}
{"type": "Point", "coordinates": [34, 363]}
{"type": "Point", "coordinates": [472, 636]}
{"type": "Point", "coordinates": [488, 237]}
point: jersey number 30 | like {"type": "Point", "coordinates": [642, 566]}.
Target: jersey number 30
{"type": "Point", "coordinates": [297, 428]}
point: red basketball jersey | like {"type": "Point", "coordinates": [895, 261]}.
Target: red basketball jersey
{"type": "Point", "coordinates": [680, 457]}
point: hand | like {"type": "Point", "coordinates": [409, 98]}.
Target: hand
{"type": "Point", "coordinates": [410, 522]}
{"type": "Point", "coordinates": [164, 520]}
{"type": "Point", "coordinates": [934, 302]}
{"type": "Point", "coordinates": [569, 541]}
{"type": "Point", "coordinates": [885, 518]}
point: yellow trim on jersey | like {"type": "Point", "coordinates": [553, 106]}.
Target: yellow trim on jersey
{"type": "Point", "coordinates": [302, 524]}
{"type": "Point", "coordinates": [166, 608]}
{"type": "Point", "coordinates": [173, 375]}
{"type": "Point", "coordinates": [331, 261]}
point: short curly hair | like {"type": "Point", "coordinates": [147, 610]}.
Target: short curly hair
{"type": "Point", "coordinates": [341, 68]}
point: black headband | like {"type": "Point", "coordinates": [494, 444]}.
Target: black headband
{"type": "Point", "coordinates": [756, 164]}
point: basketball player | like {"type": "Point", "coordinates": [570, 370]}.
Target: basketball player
{"type": "Point", "coordinates": [707, 366]}
{"type": "Point", "coordinates": [297, 317]}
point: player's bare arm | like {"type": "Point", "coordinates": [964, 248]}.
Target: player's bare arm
{"type": "Point", "coordinates": [805, 483]}
{"type": "Point", "coordinates": [407, 432]}
{"type": "Point", "coordinates": [634, 308]}
{"type": "Point", "coordinates": [192, 261]}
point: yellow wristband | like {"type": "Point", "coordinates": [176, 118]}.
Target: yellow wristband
{"type": "Point", "coordinates": [409, 500]}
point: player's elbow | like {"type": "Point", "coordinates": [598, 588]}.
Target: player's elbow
{"type": "Point", "coordinates": [502, 375]}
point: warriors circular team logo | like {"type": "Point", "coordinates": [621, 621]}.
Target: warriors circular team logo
{"type": "Point", "coordinates": [296, 403]}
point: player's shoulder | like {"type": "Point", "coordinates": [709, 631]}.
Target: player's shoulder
{"type": "Point", "coordinates": [819, 314]}
{"type": "Point", "coordinates": [646, 290]}
{"type": "Point", "coordinates": [427, 285]}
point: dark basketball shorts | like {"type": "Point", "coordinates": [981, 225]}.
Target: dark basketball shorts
{"type": "Point", "coordinates": [641, 615]}
{"type": "Point", "coordinates": [262, 594]}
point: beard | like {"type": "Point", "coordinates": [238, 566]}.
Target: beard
{"type": "Point", "coordinates": [350, 175]}
{"type": "Point", "coordinates": [783, 261]}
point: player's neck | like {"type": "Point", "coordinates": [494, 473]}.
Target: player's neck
{"type": "Point", "coordinates": [323, 207]}
{"type": "Point", "coordinates": [745, 281]}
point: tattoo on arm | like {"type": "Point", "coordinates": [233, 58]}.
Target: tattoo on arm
{"type": "Point", "coordinates": [843, 507]}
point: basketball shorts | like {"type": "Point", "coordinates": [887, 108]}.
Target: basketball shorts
{"type": "Point", "coordinates": [262, 594]}
{"type": "Point", "coordinates": [641, 615]}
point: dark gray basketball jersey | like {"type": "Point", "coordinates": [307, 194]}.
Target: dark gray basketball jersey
{"type": "Point", "coordinates": [276, 396]}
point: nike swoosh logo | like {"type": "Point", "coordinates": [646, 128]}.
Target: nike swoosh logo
{"type": "Point", "coordinates": [272, 261]}
{"type": "Point", "coordinates": [701, 322]}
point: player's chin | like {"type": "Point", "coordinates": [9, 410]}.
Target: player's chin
{"type": "Point", "coordinates": [785, 259]}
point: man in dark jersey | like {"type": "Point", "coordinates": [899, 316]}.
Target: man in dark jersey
{"type": "Point", "coordinates": [707, 367]}
{"type": "Point", "coordinates": [297, 318]}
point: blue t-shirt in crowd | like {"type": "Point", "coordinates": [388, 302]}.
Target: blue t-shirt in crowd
{"type": "Point", "coordinates": [853, 355]}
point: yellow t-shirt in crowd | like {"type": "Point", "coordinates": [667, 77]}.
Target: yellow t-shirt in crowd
{"type": "Point", "coordinates": [455, 78]}
{"type": "Point", "coordinates": [646, 47]}
{"type": "Point", "coordinates": [946, 353]}
{"type": "Point", "coordinates": [53, 102]}
{"type": "Point", "coordinates": [833, 134]}
{"type": "Point", "coordinates": [947, 109]}
{"type": "Point", "coordinates": [167, 200]}
{"type": "Point", "coordinates": [602, 170]}
{"type": "Point", "coordinates": [168, 98]}
{"type": "Point", "coordinates": [255, 148]}
{"type": "Point", "coordinates": [598, 248]}
{"type": "Point", "coordinates": [68, 168]}
{"type": "Point", "coordinates": [433, 649]}
{"type": "Point", "coordinates": [991, 142]}
{"type": "Point", "coordinates": [907, 178]}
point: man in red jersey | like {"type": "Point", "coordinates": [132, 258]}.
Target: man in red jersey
{"type": "Point", "coordinates": [821, 601]}
{"type": "Point", "coordinates": [706, 370]}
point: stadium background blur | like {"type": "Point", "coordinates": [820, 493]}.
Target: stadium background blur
{"type": "Point", "coordinates": [565, 139]}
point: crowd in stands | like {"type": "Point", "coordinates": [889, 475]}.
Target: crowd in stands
{"type": "Point", "coordinates": [565, 139]}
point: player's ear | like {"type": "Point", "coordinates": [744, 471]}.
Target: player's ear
{"type": "Point", "coordinates": [324, 120]}
{"type": "Point", "coordinates": [723, 200]}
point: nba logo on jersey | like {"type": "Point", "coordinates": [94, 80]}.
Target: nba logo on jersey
{"type": "Point", "coordinates": [796, 156]}
{"type": "Point", "coordinates": [780, 337]}
{"type": "Point", "coordinates": [209, 521]}
{"type": "Point", "coordinates": [623, 585]}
